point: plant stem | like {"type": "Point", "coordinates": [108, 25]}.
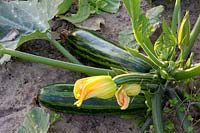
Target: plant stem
{"type": "Point", "coordinates": [145, 126]}
{"type": "Point", "coordinates": [176, 16]}
{"type": "Point", "coordinates": [182, 55]}
{"type": "Point", "coordinates": [153, 58]}
{"type": "Point", "coordinates": [193, 36]}
{"type": "Point", "coordinates": [135, 53]}
{"type": "Point", "coordinates": [63, 50]}
{"type": "Point", "coordinates": [188, 73]}
{"type": "Point", "coordinates": [156, 111]}
{"type": "Point", "coordinates": [59, 64]}
{"type": "Point", "coordinates": [180, 114]}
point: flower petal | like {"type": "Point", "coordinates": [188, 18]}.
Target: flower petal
{"type": "Point", "coordinates": [96, 86]}
{"type": "Point", "coordinates": [124, 92]}
{"type": "Point", "coordinates": [122, 98]}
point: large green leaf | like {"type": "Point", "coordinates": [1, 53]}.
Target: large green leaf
{"type": "Point", "coordinates": [24, 17]}
{"type": "Point", "coordinates": [36, 121]}
{"type": "Point", "coordinates": [142, 28]}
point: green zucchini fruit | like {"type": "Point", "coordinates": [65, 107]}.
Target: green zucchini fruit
{"type": "Point", "coordinates": [59, 97]}
{"type": "Point", "coordinates": [136, 77]}
{"type": "Point", "coordinates": [100, 51]}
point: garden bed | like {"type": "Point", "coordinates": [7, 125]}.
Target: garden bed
{"type": "Point", "coordinates": [21, 80]}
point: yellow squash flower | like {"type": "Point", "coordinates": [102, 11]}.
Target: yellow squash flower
{"type": "Point", "coordinates": [96, 86]}
{"type": "Point", "coordinates": [124, 93]}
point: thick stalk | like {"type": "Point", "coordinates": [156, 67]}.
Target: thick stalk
{"type": "Point", "coordinates": [59, 64]}
{"type": "Point", "coordinates": [156, 111]}
{"type": "Point", "coordinates": [193, 36]}
{"type": "Point", "coordinates": [180, 114]}
{"type": "Point", "coordinates": [188, 73]}
{"type": "Point", "coordinates": [58, 46]}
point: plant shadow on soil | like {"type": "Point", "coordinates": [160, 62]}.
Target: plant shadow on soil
{"type": "Point", "coordinates": [21, 80]}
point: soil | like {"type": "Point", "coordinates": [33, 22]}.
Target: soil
{"type": "Point", "coordinates": [21, 80]}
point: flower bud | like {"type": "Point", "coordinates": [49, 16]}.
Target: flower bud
{"type": "Point", "coordinates": [124, 93]}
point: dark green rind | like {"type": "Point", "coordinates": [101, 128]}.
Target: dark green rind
{"type": "Point", "coordinates": [59, 97]}
{"type": "Point", "coordinates": [105, 51]}
{"type": "Point", "coordinates": [91, 57]}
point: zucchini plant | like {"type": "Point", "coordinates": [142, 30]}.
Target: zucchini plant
{"type": "Point", "coordinates": [138, 80]}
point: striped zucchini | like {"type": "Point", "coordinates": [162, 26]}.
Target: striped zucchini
{"type": "Point", "coordinates": [59, 97]}
{"type": "Point", "coordinates": [103, 52]}
{"type": "Point", "coordinates": [136, 77]}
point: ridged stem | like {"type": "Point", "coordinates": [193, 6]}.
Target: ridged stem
{"type": "Point", "coordinates": [135, 53]}
{"type": "Point", "coordinates": [193, 36]}
{"type": "Point", "coordinates": [60, 48]}
{"type": "Point", "coordinates": [152, 56]}
{"type": "Point", "coordinates": [146, 124]}
{"type": "Point", "coordinates": [176, 16]}
{"type": "Point", "coordinates": [56, 63]}
{"type": "Point", "coordinates": [156, 111]}
{"type": "Point", "coordinates": [188, 73]}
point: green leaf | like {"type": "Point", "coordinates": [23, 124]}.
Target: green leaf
{"type": "Point", "coordinates": [190, 128]}
{"type": "Point", "coordinates": [54, 117]}
{"type": "Point", "coordinates": [140, 23]}
{"type": "Point", "coordinates": [181, 109]}
{"type": "Point", "coordinates": [167, 110]}
{"type": "Point", "coordinates": [87, 7]}
{"type": "Point", "coordinates": [189, 117]}
{"type": "Point", "coordinates": [173, 102]}
{"type": "Point", "coordinates": [169, 126]}
{"type": "Point", "coordinates": [22, 18]}
{"type": "Point", "coordinates": [184, 32]}
{"type": "Point", "coordinates": [166, 43]}
{"type": "Point", "coordinates": [112, 6]}
{"type": "Point", "coordinates": [126, 39]}
{"type": "Point", "coordinates": [154, 15]}
{"type": "Point", "coordinates": [36, 121]}
{"type": "Point", "coordinates": [96, 6]}
{"type": "Point", "coordinates": [82, 13]}
{"type": "Point", "coordinates": [34, 35]}
{"type": "Point", "coordinates": [64, 7]}
{"type": "Point", "coordinates": [142, 29]}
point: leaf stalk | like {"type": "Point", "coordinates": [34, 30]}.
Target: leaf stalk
{"type": "Point", "coordinates": [156, 111]}
{"type": "Point", "coordinates": [59, 64]}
